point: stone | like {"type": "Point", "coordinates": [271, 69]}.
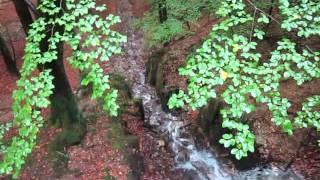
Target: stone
{"type": "Point", "coordinates": [161, 143]}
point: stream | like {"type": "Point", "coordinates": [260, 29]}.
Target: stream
{"type": "Point", "coordinates": [201, 162]}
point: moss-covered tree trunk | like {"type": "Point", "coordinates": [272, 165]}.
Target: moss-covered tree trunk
{"type": "Point", "coordinates": [65, 111]}
{"type": "Point", "coordinates": [64, 108]}
{"type": "Point", "coordinates": [162, 11]}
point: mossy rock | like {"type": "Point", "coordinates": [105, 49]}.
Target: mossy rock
{"type": "Point", "coordinates": [152, 67]}
{"type": "Point", "coordinates": [118, 82]}
{"type": "Point", "coordinates": [209, 115]}
{"type": "Point", "coordinates": [209, 131]}
{"type": "Point", "coordinates": [155, 76]}
{"type": "Point", "coordinates": [59, 162]}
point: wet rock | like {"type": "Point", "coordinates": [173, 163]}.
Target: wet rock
{"type": "Point", "coordinates": [154, 121]}
{"type": "Point", "coordinates": [152, 67]}
{"type": "Point", "coordinates": [186, 142]}
{"type": "Point", "coordinates": [191, 175]}
{"type": "Point", "coordinates": [271, 142]}
{"type": "Point", "coordinates": [183, 156]}
{"type": "Point", "coordinates": [155, 76]}
{"type": "Point", "coordinates": [209, 115]}
{"type": "Point", "coordinates": [204, 170]}
{"type": "Point", "coordinates": [207, 129]}
{"type": "Point", "coordinates": [161, 143]}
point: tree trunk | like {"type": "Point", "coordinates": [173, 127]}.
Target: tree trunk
{"type": "Point", "coordinates": [163, 15]}
{"type": "Point", "coordinates": [271, 9]}
{"type": "Point", "coordinates": [23, 13]}
{"type": "Point", "coordinates": [8, 59]}
{"type": "Point", "coordinates": [162, 11]}
{"type": "Point", "coordinates": [65, 110]}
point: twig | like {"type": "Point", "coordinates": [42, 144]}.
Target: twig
{"type": "Point", "coordinates": [271, 17]}
{"type": "Point", "coordinates": [62, 154]}
{"type": "Point", "coordinates": [52, 29]}
{"type": "Point", "coordinates": [252, 25]}
{"type": "Point", "coordinates": [256, 8]}
{"type": "Point", "coordinates": [309, 48]}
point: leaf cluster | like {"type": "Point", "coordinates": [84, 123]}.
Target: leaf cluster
{"type": "Point", "coordinates": [231, 59]}
{"type": "Point", "coordinates": [91, 38]}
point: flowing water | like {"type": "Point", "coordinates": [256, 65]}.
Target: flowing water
{"type": "Point", "coordinates": [187, 156]}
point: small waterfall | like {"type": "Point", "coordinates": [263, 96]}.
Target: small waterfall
{"type": "Point", "coordinates": [187, 156]}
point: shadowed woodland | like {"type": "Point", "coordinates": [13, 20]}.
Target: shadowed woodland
{"type": "Point", "coordinates": [159, 89]}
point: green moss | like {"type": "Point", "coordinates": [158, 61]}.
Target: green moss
{"type": "Point", "coordinates": [124, 99]}
{"type": "Point", "coordinates": [59, 162]}
{"type": "Point", "coordinates": [108, 175]}
{"type": "Point", "coordinates": [58, 157]}
{"type": "Point", "coordinates": [153, 66]}
{"type": "Point", "coordinates": [119, 138]}
{"type": "Point", "coordinates": [122, 141]}
{"type": "Point", "coordinates": [118, 82]}
{"type": "Point", "coordinates": [180, 14]}
{"type": "Point", "coordinates": [65, 114]}
{"type": "Point", "coordinates": [70, 136]}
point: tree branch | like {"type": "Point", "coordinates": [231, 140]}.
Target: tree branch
{"type": "Point", "coordinates": [263, 12]}
{"type": "Point", "coordinates": [32, 6]}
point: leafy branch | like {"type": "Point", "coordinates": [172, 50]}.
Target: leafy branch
{"type": "Point", "coordinates": [96, 41]}
{"type": "Point", "coordinates": [231, 59]}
